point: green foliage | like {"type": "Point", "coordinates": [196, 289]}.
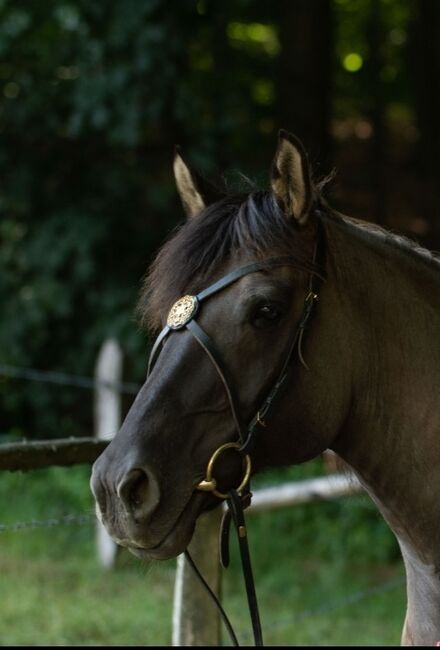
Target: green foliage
{"type": "Point", "coordinates": [342, 530]}
{"type": "Point", "coordinates": [376, 33]}
{"type": "Point", "coordinates": [93, 98]}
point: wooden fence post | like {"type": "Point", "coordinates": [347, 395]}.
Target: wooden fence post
{"type": "Point", "coordinates": [107, 422]}
{"type": "Point", "coordinates": [196, 621]}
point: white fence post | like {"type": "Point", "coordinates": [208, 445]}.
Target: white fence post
{"type": "Point", "coordinates": [107, 422]}
{"type": "Point", "coordinates": [196, 621]}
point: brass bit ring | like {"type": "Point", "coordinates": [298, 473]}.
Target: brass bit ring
{"type": "Point", "coordinates": [209, 484]}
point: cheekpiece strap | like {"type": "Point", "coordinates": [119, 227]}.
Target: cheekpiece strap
{"type": "Point", "coordinates": [208, 345]}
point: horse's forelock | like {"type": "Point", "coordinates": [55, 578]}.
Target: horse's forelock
{"type": "Point", "coordinates": [253, 222]}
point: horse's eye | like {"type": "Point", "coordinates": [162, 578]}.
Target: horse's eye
{"type": "Point", "coordinates": [266, 315]}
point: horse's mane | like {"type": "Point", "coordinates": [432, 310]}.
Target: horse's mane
{"type": "Point", "coordinates": [372, 233]}
{"type": "Point", "coordinates": [251, 221]}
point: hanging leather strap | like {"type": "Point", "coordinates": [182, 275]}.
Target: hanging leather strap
{"type": "Point", "coordinates": [236, 508]}
{"type": "Point", "coordinates": [235, 513]}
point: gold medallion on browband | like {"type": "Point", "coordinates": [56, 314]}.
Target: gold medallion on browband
{"type": "Point", "coordinates": [182, 312]}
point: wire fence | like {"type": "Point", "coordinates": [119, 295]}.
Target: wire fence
{"type": "Point", "coordinates": [327, 606]}
{"type": "Point", "coordinates": [80, 519]}
{"type": "Point", "coordinates": [65, 379]}
{"type": "Point", "coordinates": [331, 605]}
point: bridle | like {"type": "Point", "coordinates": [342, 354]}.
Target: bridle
{"type": "Point", "coordinates": [182, 315]}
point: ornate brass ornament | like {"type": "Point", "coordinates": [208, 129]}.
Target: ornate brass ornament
{"type": "Point", "coordinates": [182, 311]}
{"type": "Point", "coordinates": [209, 484]}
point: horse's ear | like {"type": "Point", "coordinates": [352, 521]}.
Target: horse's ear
{"type": "Point", "coordinates": [290, 177]}
{"type": "Point", "coordinates": [196, 193]}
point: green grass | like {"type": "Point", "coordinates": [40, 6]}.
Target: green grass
{"type": "Point", "coordinates": [72, 601]}
{"type": "Point", "coordinates": [309, 561]}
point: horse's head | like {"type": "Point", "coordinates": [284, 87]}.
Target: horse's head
{"type": "Point", "coordinates": [219, 357]}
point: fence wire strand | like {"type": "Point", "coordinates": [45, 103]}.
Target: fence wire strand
{"type": "Point", "coordinates": [327, 606]}
{"type": "Point", "coordinates": [65, 379]}
{"type": "Point", "coordinates": [80, 519]}
{"type": "Point", "coordinates": [84, 519]}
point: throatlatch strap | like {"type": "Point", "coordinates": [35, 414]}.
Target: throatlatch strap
{"type": "Point", "coordinates": [314, 285]}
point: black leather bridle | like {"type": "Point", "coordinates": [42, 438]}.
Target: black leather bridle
{"type": "Point", "coordinates": [182, 316]}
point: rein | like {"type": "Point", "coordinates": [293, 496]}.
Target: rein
{"type": "Point", "coordinates": [182, 316]}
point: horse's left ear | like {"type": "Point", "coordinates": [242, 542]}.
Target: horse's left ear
{"type": "Point", "coordinates": [290, 177]}
{"type": "Point", "coordinates": [195, 192]}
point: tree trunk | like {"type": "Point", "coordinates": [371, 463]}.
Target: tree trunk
{"type": "Point", "coordinates": [425, 67]}
{"type": "Point", "coordinates": [374, 66]}
{"type": "Point", "coordinates": [304, 74]}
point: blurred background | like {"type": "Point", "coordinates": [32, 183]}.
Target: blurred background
{"type": "Point", "coordinates": [93, 98]}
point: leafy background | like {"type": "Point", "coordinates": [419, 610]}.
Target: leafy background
{"type": "Point", "coordinates": [93, 98]}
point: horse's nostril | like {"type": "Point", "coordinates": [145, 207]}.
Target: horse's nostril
{"type": "Point", "coordinates": [139, 492]}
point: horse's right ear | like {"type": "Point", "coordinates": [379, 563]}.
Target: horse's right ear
{"type": "Point", "coordinates": [290, 178]}
{"type": "Point", "coordinates": [195, 192]}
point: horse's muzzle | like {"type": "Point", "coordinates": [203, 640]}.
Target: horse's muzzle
{"type": "Point", "coordinates": [134, 494]}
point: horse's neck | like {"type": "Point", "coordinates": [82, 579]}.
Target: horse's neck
{"type": "Point", "coordinates": [391, 303]}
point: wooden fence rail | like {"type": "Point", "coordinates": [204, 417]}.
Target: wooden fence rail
{"type": "Point", "coordinates": [26, 455]}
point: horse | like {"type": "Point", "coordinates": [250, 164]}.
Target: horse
{"type": "Point", "coordinates": [363, 373]}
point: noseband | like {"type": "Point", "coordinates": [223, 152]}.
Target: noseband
{"type": "Point", "coordinates": [182, 316]}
